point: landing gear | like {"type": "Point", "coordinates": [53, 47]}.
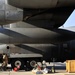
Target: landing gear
{"type": "Point", "coordinates": [25, 64]}
{"type": "Point", "coordinates": [30, 65]}
{"type": "Point", "coordinates": [17, 62]}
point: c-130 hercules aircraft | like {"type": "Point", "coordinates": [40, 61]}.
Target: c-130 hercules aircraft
{"type": "Point", "coordinates": [40, 37]}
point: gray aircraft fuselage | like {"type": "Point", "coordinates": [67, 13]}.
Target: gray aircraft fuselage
{"type": "Point", "coordinates": [61, 52]}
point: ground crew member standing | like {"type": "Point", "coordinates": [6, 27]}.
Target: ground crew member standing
{"type": "Point", "coordinates": [5, 62]}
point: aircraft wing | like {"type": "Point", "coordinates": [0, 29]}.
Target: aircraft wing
{"type": "Point", "coordinates": [45, 13]}
{"type": "Point", "coordinates": [41, 4]}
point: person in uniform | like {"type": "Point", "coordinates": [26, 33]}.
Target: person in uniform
{"type": "Point", "coordinates": [44, 64]}
{"type": "Point", "coordinates": [5, 62]}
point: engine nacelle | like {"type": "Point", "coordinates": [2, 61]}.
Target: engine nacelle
{"type": "Point", "coordinates": [9, 14]}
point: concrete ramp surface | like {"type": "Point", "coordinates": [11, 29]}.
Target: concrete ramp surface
{"type": "Point", "coordinates": [30, 73]}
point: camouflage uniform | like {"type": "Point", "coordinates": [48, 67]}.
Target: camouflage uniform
{"type": "Point", "coordinates": [5, 62]}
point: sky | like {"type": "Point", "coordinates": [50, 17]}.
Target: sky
{"type": "Point", "coordinates": [71, 20]}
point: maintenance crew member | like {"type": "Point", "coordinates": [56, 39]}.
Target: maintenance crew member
{"type": "Point", "coordinates": [5, 62]}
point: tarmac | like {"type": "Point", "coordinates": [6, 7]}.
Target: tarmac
{"type": "Point", "coordinates": [60, 69]}
{"type": "Point", "coordinates": [30, 73]}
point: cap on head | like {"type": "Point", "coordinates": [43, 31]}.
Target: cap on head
{"type": "Point", "coordinates": [44, 62]}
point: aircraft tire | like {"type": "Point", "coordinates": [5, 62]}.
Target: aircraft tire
{"type": "Point", "coordinates": [30, 64]}
{"type": "Point", "coordinates": [17, 62]}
